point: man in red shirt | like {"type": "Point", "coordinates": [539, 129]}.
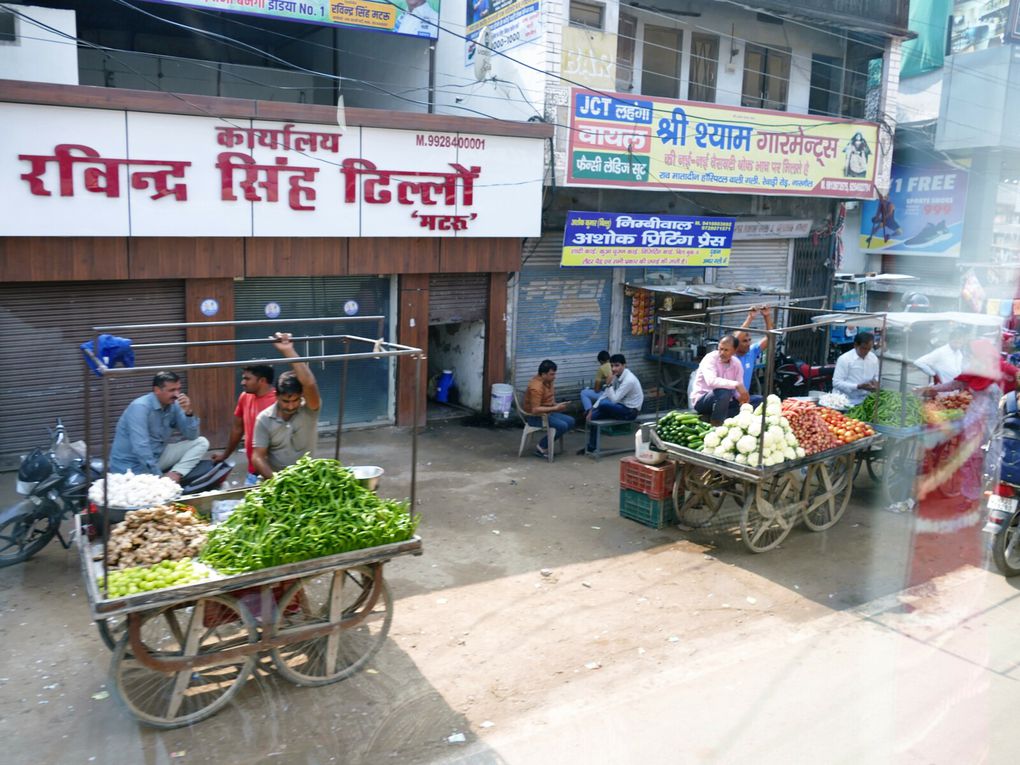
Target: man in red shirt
{"type": "Point", "coordinates": [257, 382]}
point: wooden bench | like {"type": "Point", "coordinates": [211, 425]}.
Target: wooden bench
{"type": "Point", "coordinates": [614, 428]}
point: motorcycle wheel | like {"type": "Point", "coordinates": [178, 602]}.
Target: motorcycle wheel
{"type": "Point", "coordinates": [1006, 547]}
{"type": "Point", "coordinates": [21, 538]}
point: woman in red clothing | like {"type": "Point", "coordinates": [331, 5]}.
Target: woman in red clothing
{"type": "Point", "coordinates": [946, 530]}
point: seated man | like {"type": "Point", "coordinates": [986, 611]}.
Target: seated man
{"type": "Point", "coordinates": [288, 429]}
{"type": "Point", "coordinates": [718, 389]}
{"type": "Point", "coordinates": [621, 400]}
{"type": "Point", "coordinates": [258, 394]}
{"type": "Point", "coordinates": [590, 395]}
{"type": "Point", "coordinates": [539, 399]}
{"type": "Point", "coordinates": [856, 372]}
{"type": "Point", "coordinates": [140, 443]}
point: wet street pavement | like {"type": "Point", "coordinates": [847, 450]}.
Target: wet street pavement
{"type": "Point", "coordinates": [539, 626]}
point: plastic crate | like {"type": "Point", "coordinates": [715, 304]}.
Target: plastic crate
{"type": "Point", "coordinates": [654, 480]}
{"type": "Point", "coordinates": [639, 507]}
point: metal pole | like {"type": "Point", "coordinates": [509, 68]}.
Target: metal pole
{"type": "Point", "coordinates": [341, 404]}
{"type": "Point", "coordinates": [414, 431]}
{"type": "Point", "coordinates": [88, 419]}
{"type": "Point", "coordinates": [106, 483]}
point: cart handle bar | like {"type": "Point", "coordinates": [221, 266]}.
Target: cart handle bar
{"type": "Point", "coordinates": [780, 304]}
{"type": "Point", "coordinates": [245, 323]}
{"type": "Point", "coordinates": [380, 354]}
{"type": "Point", "coordinates": [236, 341]}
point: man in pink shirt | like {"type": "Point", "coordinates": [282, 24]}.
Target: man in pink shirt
{"type": "Point", "coordinates": [257, 382]}
{"type": "Point", "coordinates": [719, 388]}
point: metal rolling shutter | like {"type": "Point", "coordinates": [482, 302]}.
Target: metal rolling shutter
{"type": "Point", "coordinates": [562, 314]}
{"type": "Point", "coordinates": [756, 264]}
{"type": "Point", "coordinates": [369, 382]}
{"type": "Point", "coordinates": [41, 367]}
{"type": "Point", "coordinates": [458, 297]}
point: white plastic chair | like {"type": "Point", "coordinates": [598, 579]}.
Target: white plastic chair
{"type": "Point", "coordinates": [549, 430]}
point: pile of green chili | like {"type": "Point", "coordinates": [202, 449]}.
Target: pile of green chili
{"type": "Point", "coordinates": [311, 509]}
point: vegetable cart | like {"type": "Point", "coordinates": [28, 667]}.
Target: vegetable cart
{"type": "Point", "coordinates": [893, 465]}
{"type": "Point", "coordinates": [765, 501]}
{"type": "Point", "coordinates": [183, 651]}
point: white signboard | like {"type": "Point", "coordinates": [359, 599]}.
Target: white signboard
{"type": "Point", "coordinates": [93, 172]}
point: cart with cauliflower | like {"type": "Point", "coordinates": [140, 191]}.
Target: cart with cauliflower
{"type": "Point", "coordinates": [769, 468]}
{"type": "Point", "coordinates": [189, 607]}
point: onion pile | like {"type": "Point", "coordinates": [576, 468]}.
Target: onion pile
{"type": "Point", "coordinates": [811, 431]}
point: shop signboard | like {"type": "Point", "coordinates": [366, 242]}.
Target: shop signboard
{"type": "Point", "coordinates": [67, 171]}
{"type": "Point", "coordinates": [600, 239]}
{"type": "Point", "coordinates": [510, 23]}
{"type": "Point", "coordinates": [649, 143]}
{"type": "Point", "coordinates": [415, 18]}
{"type": "Point", "coordinates": [922, 215]}
{"type": "Point", "coordinates": [980, 24]}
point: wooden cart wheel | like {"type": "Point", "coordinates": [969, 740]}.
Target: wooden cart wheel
{"type": "Point", "coordinates": [827, 491]}
{"type": "Point", "coordinates": [324, 599]}
{"type": "Point", "coordinates": [173, 699]}
{"type": "Point", "coordinates": [898, 471]}
{"type": "Point", "coordinates": [769, 511]}
{"type": "Point", "coordinates": [697, 496]}
{"type": "Point", "coordinates": [111, 630]}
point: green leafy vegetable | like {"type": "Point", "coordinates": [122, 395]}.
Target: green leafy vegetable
{"type": "Point", "coordinates": [311, 509]}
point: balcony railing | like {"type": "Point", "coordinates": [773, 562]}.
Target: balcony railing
{"type": "Point", "coordinates": [878, 16]}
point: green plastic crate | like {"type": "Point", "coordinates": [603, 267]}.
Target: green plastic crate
{"type": "Point", "coordinates": [656, 513]}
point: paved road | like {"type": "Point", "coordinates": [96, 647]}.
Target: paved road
{"type": "Point", "coordinates": [639, 646]}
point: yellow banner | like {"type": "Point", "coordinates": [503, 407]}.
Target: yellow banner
{"type": "Point", "coordinates": [589, 57]}
{"type": "Point", "coordinates": [635, 142]}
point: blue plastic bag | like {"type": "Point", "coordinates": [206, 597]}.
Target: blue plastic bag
{"type": "Point", "coordinates": [113, 350]}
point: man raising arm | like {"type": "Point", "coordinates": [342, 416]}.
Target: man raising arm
{"type": "Point", "coordinates": [288, 429]}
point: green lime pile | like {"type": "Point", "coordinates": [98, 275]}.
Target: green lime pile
{"type": "Point", "coordinates": [169, 573]}
{"type": "Point", "coordinates": [682, 429]}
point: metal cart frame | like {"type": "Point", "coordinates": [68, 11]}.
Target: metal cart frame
{"type": "Point", "coordinates": [772, 499]}
{"type": "Point", "coordinates": [181, 653]}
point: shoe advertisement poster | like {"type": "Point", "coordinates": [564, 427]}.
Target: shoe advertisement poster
{"type": "Point", "coordinates": [922, 215]}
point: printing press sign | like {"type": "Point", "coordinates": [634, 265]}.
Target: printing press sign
{"type": "Point", "coordinates": [416, 18]}
{"type": "Point", "coordinates": [66, 171]}
{"type": "Point", "coordinates": [629, 239]}
{"type": "Point", "coordinates": [621, 141]}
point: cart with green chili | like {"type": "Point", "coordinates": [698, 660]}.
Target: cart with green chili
{"type": "Point", "coordinates": [762, 498]}
{"type": "Point", "coordinates": [294, 572]}
{"type": "Point", "coordinates": [895, 410]}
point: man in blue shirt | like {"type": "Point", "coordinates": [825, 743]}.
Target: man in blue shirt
{"type": "Point", "coordinates": [748, 354]}
{"type": "Point", "coordinates": [140, 443]}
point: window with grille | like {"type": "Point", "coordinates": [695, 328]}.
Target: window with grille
{"type": "Point", "coordinates": [766, 78]}
{"type": "Point", "coordinates": [704, 67]}
{"type": "Point", "coordinates": [587, 15]}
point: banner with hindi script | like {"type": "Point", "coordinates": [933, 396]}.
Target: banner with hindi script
{"type": "Point", "coordinates": [402, 17]}
{"type": "Point", "coordinates": [601, 239]}
{"type": "Point", "coordinates": [649, 143]}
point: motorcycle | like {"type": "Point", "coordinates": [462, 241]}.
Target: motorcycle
{"type": "Point", "coordinates": [54, 484]}
{"type": "Point", "coordinates": [795, 377]}
{"type": "Point", "coordinates": [1003, 523]}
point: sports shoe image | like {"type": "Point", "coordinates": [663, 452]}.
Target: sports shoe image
{"type": "Point", "coordinates": [930, 234]}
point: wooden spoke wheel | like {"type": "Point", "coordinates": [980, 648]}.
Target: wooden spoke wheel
{"type": "Point", "coordinates": [770, 511]}
{"type": "Point", "coordinates": [172, 699]}
{"type": "Point", "coordinates": [327, 599]}
{"type": "Point", "coordinates": [698, 495]}
{"type": "Point", "coordinates": [896, 471]}
{"type": "Point", "coordinates": [827, 490]}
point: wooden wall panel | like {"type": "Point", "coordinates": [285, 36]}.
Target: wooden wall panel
{"type": "Point", "coordinates": [213, 390]}
{"type": "Point", "coordinates": [167, 257]}
{"type": "Point", "coordinates": [495, 336]}
{"type": "Point", "coordinates": [464, 256]}
{"type": "Point", "coordinates": [373, 255]}
{"type": "Point", "coordinates": [414, 310]}
{"type": "Point", "coordinates": [312, 256]}
{"type": "Point", "coordinates": [62, 259]}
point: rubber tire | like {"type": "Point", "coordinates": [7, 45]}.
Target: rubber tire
{"type": "Point", "coordinates": [999, 547]}
{"type": "Point", "coordinates": [31, 548]}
